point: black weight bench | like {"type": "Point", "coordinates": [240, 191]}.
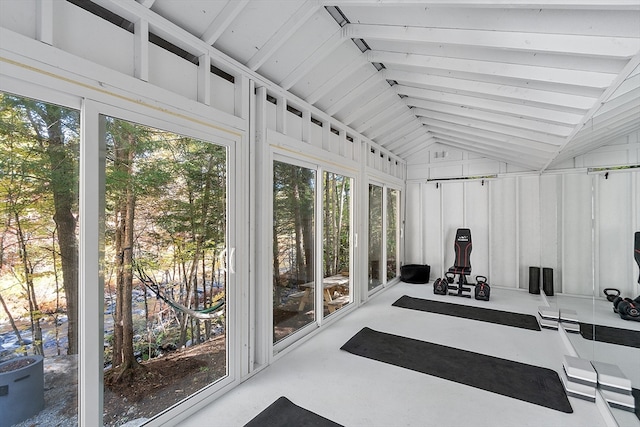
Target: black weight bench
{"type": "Point", "coordinates": [462, 264]}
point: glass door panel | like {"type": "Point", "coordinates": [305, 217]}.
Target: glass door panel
{"type": "Point", "coordinates": [393, 198]}
{"type": "Point", "coordinates": [164, 269]}
{"type": "Point", "coordinates": [375, 237]}
{"type": "Point", "coordinates": [39, 219]}
{"type": "Point", "coordinates": [336, 202]}
{"type": "Point", "coordinates": [293, 248]}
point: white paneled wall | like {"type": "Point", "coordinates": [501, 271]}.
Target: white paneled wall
{"type": "Point", "coordinates": [581, 225]}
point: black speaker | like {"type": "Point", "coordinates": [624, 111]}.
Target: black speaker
{"type": "Point", "coordinates": [547, 281]}
{"type": "Point", "coordinates": [534, 280]}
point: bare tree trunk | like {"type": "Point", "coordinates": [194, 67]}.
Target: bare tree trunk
{"type": "Point", "coordinates": [123, 328]}
{"type": "Point", "coordinates": [12, 322]}
{"type": "Point", "coordinates": [34, 310]}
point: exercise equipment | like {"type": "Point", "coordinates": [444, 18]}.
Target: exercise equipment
{"type": "Point", "coordinates": [462, 264]}
{"type": "Point", "coordinates": [627, 308]}
{"type": "Point", "coordinates": [440, 286]}
{"type": "Point", "coordinates": [462, 268]}
{"type": "Point", "coordinates": [482, 289]}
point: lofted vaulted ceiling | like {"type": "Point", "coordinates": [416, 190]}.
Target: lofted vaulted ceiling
{"type": "Point", "coordinates": [529, 82]}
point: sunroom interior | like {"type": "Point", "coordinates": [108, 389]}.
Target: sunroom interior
{"type": "Point", "coordinates": [178, 177]}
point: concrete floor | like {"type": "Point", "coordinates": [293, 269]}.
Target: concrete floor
{"type": "Point", "coordinates": [356, 391]}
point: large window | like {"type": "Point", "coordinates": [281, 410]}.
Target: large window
{"type": "Point", "coordinates": [293, 248]}
{"type": "Point", "coordinates": [393, 232]}
{"type": "Point", "coordinates": [384, 235]}
{"type": "Point", "coordinates": [336, 211]}
{"type": "Point", "coordinates": [165, 276]}
{"type": "Point", "coordinates": [376, 265]}
{"type": "Point", "coordinates": [39, 158]}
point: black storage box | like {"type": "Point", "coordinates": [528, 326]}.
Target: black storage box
{"type": "Point", "coordinates": [415, 273]}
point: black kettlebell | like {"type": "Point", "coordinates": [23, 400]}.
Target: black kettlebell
{"type": "Point", "coordinates": [611, 293]}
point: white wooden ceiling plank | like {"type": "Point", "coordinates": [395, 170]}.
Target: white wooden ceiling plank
{"type": "Point", "coordinates": [517, 71]}
{"type": "Point", "coordinates": [381, 116]}
{"type": "Point", "coordinates": [629, 69]}
{"type": "Point", "coordinates": [621, 47]}
{"type": "Point", "coordinates": [483, 88]}
{"type": "Point", "coordinates": [297, 20]}
{"type": "Point", "coordinates": [220, 23]}
{"type": "Point", "coordinates": [367, 108]}
{"type": "Point", "coordinates": [497, 146]}
{"type": "Point", "coordinates": [416, 146]}
{"type": "Point", "coordinates": [623, 101]}
{"type": "Point", "coordinates": [493, 155]}
{"type": "Point", "coordinates": [490, 126]}
{"type": "Point", "coordinates": [388, 138]}
{"type": "Point", "coordinates": [416, 95]}
{"type": "Point", "coordinates": [560, 4]}
{"type": "Point", "coordinates": [366, 86]}
{"type": "Point", "coordinates": [419, 133]}
{"type": "Point", "coordinates": [402, 119]}
{"type": "Point", "coordinates": [587, 146]}
{"type": "Point", "coordinates": [342, 74]}
{"type": "Point", "coordinates": [596, 129]}
{"type": "Point", "coordinates": [517, 122]}
{"type": "Point", "coordinates": [319, 55]}
{"type": "Point", "coordinates": [495, 136]}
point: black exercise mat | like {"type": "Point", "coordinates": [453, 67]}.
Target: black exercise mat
{"type": "Point", "coordinates": [517, 320]}
{"type": "Point", "coordinates": [611, 335]}
{"type": "Point", "coordinates": [284, 413]}
{"type": "Point", "coordinates": [529, 383]}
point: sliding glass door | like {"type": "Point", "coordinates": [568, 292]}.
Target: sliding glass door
{"type": "Point", "coordinates": [336, 241]}
{"type": "Point", "coordinates": [376, 241]}
{"type": "Point", "coordinates": [294, 236]}
{"type": "Point", "coordinates": [384, 235]}
{"type": "Point", "coordinates": [165, 268]}
{"type": "Point", "coordinates": [393, 232]}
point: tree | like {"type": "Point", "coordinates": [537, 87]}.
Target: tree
{"type": "Point", "coordinates": [45, 145]}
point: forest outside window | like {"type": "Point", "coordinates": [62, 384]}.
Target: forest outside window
{"type": "Point", "coordinates": [39, 159]}
{"type": "Point", "coordinates": [165, 277]}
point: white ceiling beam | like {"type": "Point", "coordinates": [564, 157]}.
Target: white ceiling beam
{"type": "Point", "coordinates": [356, 92]}
{"type": "Point", "coordinates": [615, 47]}
{"type": "Point", "coordinates": [416, 95]}
{"type": "Point", "coordinates": [390, 137]}
{"type": "Point", "coordinates": [147, 3]}
{"type": "Point", "coordinates": [416, 146]}
{"type": "Point", "coordinates": [507, 140]}
{"type": "Point", "coordinates": [527, 4]}
{"type": "Point", "coordinates": [498, 69]}
{"type": "Point", "coordinates": [382, 116]}
{"type": "Point", "coordinates": [316, 57]}
{"type": "Point", "coordinates": [344, 73]}
{"type": "Point", "coordinates": [381, 128]}
{"type": "Point", "coordinates": [585, 146]}
{"type": "Point", "coordinates": [487, 116]}
{"type": "Point", "coordinates": [489, 154]}
{"type": "Point", "coordinates": [222, 21]}
{"type": "Point", "coordinates": [474, 88]}
{"type": "Point", "coordinates": [297, 20]}
{"type": "Point", "coordinates": [492, 127]}
{"type": "Point", "coordinates": [473, 138]}
{"type": "Point", "coordinates": [409, 137]}
{"type": "Point", "coordinates": [380, 101]}
{"type": "Point", "coordinates": [628, 70]}
{"type": "Point", "coordinates": [484, 145]}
